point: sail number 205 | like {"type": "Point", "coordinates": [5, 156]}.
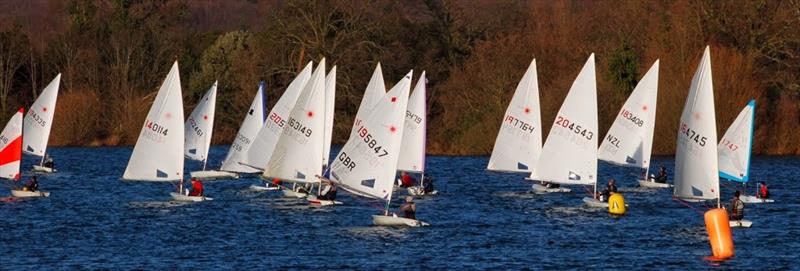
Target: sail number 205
{"type": "Point", "coordinates": [371, 142]}
{"type": "Point", "coordinates": [564, 122]}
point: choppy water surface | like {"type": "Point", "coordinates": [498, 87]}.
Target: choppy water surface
{"type": "Point", "coordinates": [480, 220]}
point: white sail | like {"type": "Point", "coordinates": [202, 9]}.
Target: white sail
{"type": "Point", "coordinates": [412, 152]}
{"type": "Point", "coordinates": [252, 123]}
{"type": "Point", "coordinates": [200, 126]}
{"type": "Point", "coordinates": [158, 154]}
{"type": "Point", "coordinates": [264, 144]}
{"type": "Point", "coordinates": [39, 119]}
{"type": "Point", "coordinates": [736, 145]}
{"type": "Point", "coordinates": [519, 141]}
{"type": "Point", "coordinates": [696, 154]}
{"type": "Point", "coordinates": [11, 147]}
{"type": "Point", "coordinates": [375, 90]}
{"type": "Point", "coordinates": [629, 141]}
{"type": "Point", "coordinates": [367, 163]}
{"type": "Point", "coordinates": [330, 104]}
{"type": "Point", "coordinates": [569, 156]}
{"type": "Point", "coordinates": [298, 153]}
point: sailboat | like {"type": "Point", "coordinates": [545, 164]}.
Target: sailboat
{"type": "Point", "coordinates": [412, 153]}
{"type": "Point", "coordinates": [263, 144]}
{"type": "Point", "coordinates": [158, 155]}
{"type": "Point", "coordinates": [367, 164]}
{"type": "Point", "coordinates": [629, 141]}
{"type": "Point", "coordinates": [735, 149]}
{"type": "Point", "coordinates": [696, 157]}
{"type": "Point", "coordinates": [11, 154]}
{"type": "Point", "coordinates": [297, 157]}
{"type": "Point", "coordinates": [38, 123]}
{"type": "Point", "coordinates": [198, 129]}
{"type": "Point", "coordinates": [253, 120]}
{"type": "Point", "coordinates": [569, 156]}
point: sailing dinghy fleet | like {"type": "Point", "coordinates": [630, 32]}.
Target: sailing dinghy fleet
{"type": "Point", "coordinates": [569, 155]}
{"type": "Point", "coordinates": [289, 146]}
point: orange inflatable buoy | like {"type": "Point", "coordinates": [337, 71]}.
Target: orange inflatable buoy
{"type": "Point", "coordinates": [719, 234]}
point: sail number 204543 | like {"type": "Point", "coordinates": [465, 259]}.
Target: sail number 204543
{"type": "Point", "coordinates": [577, 129]}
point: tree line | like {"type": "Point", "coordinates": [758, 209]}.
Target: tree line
{"type": "Point", "coordinates": [114, 54]}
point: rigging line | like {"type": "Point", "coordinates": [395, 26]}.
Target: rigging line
{"type": "Point", "coordinates": [687, 205]}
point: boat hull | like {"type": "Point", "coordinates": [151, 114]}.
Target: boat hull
{"type": "Point", "coordinates": [744, 223]}
{"type": "Point", "coordinates": [541, 189]}
{"type": "Point", "coordinates": [322, 202]}
{"type": "Point", "coordinates": [29, 194]}
{"type": "Point", "coordinates": [213, 175]}
{"type": "Point", "coordinates": [652, 184]}
{"type": "Point", "coordinates": [594, 203]}
{"type": "Point", "coordinates": [293, 194]}
{"type": "Point", "coordinates": [754, 199]}
{"type": "Point", "coordinates": [263, 188]}
{"type": "Point", "coordinates": [392, 221]}
{"type": "Point", "coordinates": [182, 197]}
{"type": "Point", "coordinates": [38, 168]}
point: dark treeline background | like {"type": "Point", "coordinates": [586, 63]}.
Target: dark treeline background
{"type": "Point", "coordinates": [114, 55]}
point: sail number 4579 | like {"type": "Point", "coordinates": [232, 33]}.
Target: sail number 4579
{"type": "Point", "coordinates": [564, 122]}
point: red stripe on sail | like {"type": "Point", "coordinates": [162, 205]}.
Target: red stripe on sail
{"type": "Point", "coordinates": [12, 152]}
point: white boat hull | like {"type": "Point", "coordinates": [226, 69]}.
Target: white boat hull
{"type": "Point", "coordinates": [293, 194]}
{"type": "Point", "coordinates": [744, 223]}
{"type": "Point", "coordinates": [541, 189]}
{"type": "Point", "coordinates": [322, 202]}
{"type": "Point", "coordinates": [594, 203]}
{"type": "Point", "coordinates": [38, 168]}
{"type": "Point", "coordinates": [263, 188]}
{"type": "Point", "coordinates": [419, 191]}
{"type": "Point", "coordinates": [383, 220]}
{"type": "Point", "coordinates": [29, 194]}
{"type": "Point", "coordinates": [213, 175]}
{"type": "Point", "coordinates": [182, 197]}
{"type": "Point", "coordinates": [754, 199]}
{"type": "Point", "coordinates": [653, 184]}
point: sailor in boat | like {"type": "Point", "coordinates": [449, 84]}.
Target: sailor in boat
{"type": "Point", "coordinates": [662, 175]}
{"type": "Point", "coordinates": [428, 186]}
{"type": "Point", "coordinates": [31, 185]}
{"type": "Point", "coordinates": [329, 192]}
{"type": "Point", "coordinates": [197, 188]}
{"type": "Point", "coordinates": [737, 207]}
{"type": "Point", "coordinates": [406, 180]}
{"type": "Point", "coordinates": [763, 191]}
{"type": "Point", "coordinates": [611, 188]}
{"type": "Point", "coordinates": [409, 209]}
{"type": "Point", "coordinates": [48, 162]}
{"type": "Point", "coordinates": [550, 185]}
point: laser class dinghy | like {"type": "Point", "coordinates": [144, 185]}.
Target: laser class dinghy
{"type": "Point", "coordinates": [735, 149]}
{"type": "Point", "coordinates": [158, 155]}
{"type": "Point", "coordinates": [367, 164]}
{"type": "Point", "coordinates": [260, 151]}
{"type": "Point", "coordinates": [569, 156]}
{"type": "Point", "coordinates": [412, 151]}
{"type": "Point", "coordinates": [199, 128]}
{"type": "Point", "coordinates": [519, 141]}
{"type": "Point", "coordinates": [38, 123]}
{"type": "Point", "coordinates": [696, 158]}
{"type": "Point", "coordinates": [11, 154]}
{"type": "Point", "coordinates": [629, 141]}
{"type": "Point", "coordinates": [253, 120]}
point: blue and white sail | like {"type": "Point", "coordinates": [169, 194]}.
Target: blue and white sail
{"type": "Point", "coordinates": [736, 146]}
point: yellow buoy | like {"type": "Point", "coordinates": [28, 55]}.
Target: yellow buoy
{"type": "Point", "coordinates": [616, 204]}
{"type": "Point", "coordinates": [719, 234]}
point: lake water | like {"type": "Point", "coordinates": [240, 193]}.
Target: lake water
{"type": "Point", "coordinates": [480, 220]}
